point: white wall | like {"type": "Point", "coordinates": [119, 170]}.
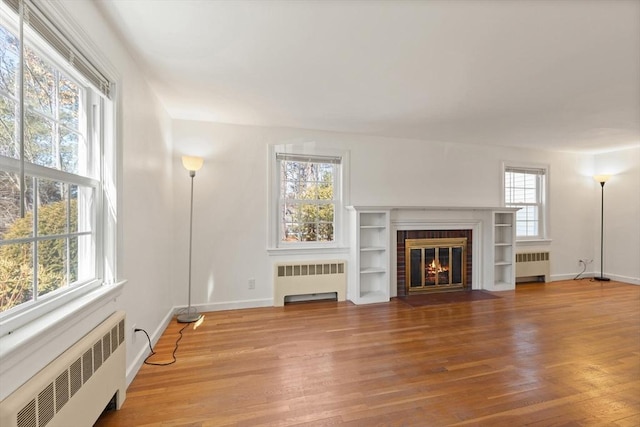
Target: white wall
{"type": "Point", "coordinates": [230, 222]}
{"type": "Point", "coordinates": [621, 214]}
{"type": "Point", "coordinates": [145, 210]}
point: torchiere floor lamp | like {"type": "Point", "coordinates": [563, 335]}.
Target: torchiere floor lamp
{"type": "Point", "coordinates": [192, 164]}
{"type": "Point", "coordinates": [602, 179]}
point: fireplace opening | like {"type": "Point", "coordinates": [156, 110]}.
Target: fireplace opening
{"type": "Point", "coordinates": [401, 259]}
{"type": "Point", "coordinates": [435, 264]}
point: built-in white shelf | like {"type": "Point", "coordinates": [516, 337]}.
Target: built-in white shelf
{"type": "Point", "coordinates": [504, 241]}
{"type": "Point", "coordinates": [373, 251]}
{"type": "Point", "coordinates": [370, 251]}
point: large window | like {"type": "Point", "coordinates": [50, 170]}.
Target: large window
{"type": "Point", "coordinates": [524, 188]}
{"type": "Point", "coordinates": [309, 201]}
{"type": "Point", "coordinates": [53, 108]}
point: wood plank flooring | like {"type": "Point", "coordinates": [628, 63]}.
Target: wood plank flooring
{"type": "Point", "coordinates": [556, 354]}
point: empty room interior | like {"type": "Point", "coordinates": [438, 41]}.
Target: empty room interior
{"type": "Point", "coordinates": [283, 213]}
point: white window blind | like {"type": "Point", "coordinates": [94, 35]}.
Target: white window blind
{"type": "Point", "coordinates": [34, 18]}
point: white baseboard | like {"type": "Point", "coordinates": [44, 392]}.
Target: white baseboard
{"type": "Point", "coordinates": [230, 305]}
{"type": "Point", "coordinates": [133, 369]}
{"type": "Point", "coordinates": [590, 275]}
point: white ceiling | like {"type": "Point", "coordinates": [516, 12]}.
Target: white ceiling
{"type": "Point", "coordinates": [559, 75]}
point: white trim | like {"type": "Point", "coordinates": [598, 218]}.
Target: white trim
{"type": "Point", "coordinates": [307, 251]}
{"type": "Point", "coordinates": [545, 220]}
{"type": "Point", "coordinates": [533, 242]}
{"type": "Point", "coordinates": [342, 185]}
{"type": "Point", "coordinates": [589, 277]}
{"type": "Point", "coordinates": [229, 305]}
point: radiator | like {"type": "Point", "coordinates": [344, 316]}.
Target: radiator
{"type": "Point", "coordinates": [308, 279]}
{"type": "Point", "coordinates": [75, 388]}
{"type": "Point", "coordinates": [533, 264]}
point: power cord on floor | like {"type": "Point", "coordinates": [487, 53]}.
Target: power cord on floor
{"type": "Point", "coordinates": [175, 349]}
{"type": "Point", "coordinates": [584, 268]}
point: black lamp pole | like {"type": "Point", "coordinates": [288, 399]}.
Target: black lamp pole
{"type": "Point", "coordinates": [602, 278]}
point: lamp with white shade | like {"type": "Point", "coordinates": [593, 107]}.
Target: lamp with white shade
{"type": "Point", "coordinates": [192, 164]}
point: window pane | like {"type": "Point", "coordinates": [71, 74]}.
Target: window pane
{"type": "Point", "coordinates": [8, 125]}
{"type": "Point", "coordinates": [9, 202]}
{"type": "Point", "coordinates": [69, 105]}
{"type": "Point", "coordinates": [52, 208]}
{"type": "Point", "coordinates": [9, 62]}
{"type": "Point", "coordinates": [39, 133]}
{"type": "Point", "coordinates": [69, 146]}
{"type": "Point", "coordinates": [530, 195]}
{"type": "Point", "coordinates": [306, 192]}
{"type": "Point", "coordinates": [13, 226]}
{"type": "Point", "coordinates": [39, 83]}
{"type": "Point", "coordinates": [290, 233]}
{"type": "Point", "coordinates": [325, 232]}
{"type": "Point", "coordinates": [16, 275]}
{"type": "Point", "coordinates": [53, 267]}
{"type": "Point", "coordinates": [74, 218]}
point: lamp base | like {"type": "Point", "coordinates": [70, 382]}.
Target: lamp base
{"type": "Point", "coordinates": [189, 317]}
{"type": "Point", "coordinates": [602, 279]}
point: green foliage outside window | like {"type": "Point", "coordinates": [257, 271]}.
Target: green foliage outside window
{"type": "Point", "coordinates": [16, 260]}
{"type": "Point", "coordinates": [308, 205]}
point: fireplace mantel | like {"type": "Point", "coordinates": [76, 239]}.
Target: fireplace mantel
{"type": "Point", "coordinates": [493, 247]}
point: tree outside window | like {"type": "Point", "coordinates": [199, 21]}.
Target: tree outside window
{"type": "Point", "coordinates": [46, 186]}
{"type": "Point", "coordinates": [307, 204]}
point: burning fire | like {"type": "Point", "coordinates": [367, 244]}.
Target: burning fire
{"type": "Point", "coordinates": [435, 267]}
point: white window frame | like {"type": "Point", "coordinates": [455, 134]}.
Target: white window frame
{"type": "Point", "coordinates": [340, 191]}
{"type": "Point", "coordinates": [101, 125]}
{"type": "Point", "coordinates": [542, 186]}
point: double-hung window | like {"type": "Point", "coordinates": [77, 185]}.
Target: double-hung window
{"type": "Point", "coordinates": [525, 188]}
{"type": "Point", "coordinates": [54, 105]}
{"type": "Point", "coordinates": [309, 199]}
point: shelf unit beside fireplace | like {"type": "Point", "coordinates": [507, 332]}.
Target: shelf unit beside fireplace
{"type": "Point", "coordinates": [371, 255]}
{"type": "Point", "coordinates": [503, 248]}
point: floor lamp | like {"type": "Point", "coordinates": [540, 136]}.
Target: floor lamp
{"type": "Point", "coordinates": [192, 164]}
{"type": "Point", "coordinates": [602, 179]}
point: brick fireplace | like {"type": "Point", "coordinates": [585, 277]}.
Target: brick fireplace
{"type": "Point", "coordinates": [401, 262]}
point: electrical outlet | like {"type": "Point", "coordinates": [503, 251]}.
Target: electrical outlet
{"type": "Point", "coordinates": [133, 333]}
{"type": "Point", "coordinates": [252, 283]}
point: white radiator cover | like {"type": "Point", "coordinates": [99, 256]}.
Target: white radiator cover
{"type": "Point", "coordinates": [533, 264]}
{"type": "Point", "coordinates": [308, 278]}
{"type": "Point", "coordinates": [74, 389]}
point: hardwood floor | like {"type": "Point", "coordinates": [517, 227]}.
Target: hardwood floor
{"type": "Point", "coordinates": [557, 354]}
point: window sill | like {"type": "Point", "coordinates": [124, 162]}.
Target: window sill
{"type": "Point", "coordinates": [41, 330]}
{"type": "Point", "coordinates": [305, 251]}
{"type": "Point", "coordinates": [533, 242]}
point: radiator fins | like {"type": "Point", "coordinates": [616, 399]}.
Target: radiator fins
{"type": "Point", "coordinates": [532, 256]}
{"type": "Point", "coordinates": [52, 398]}
{"type": "Point", "coordinates": [27, 415]}
{"type": "Point", "coordinates": [310, 269]}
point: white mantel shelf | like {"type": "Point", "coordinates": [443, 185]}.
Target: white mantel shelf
{"type": "Point", "coordinates": [431, 208]}
{"type": "Point", "coordinates": [493, 246]}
